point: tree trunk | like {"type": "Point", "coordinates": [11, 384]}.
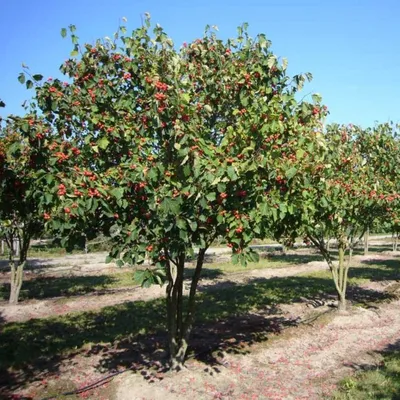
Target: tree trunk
{"type": "Point", "coordinates": [342, 278]}
{"type": "Point", "coordinates": [179, 328]}
{"type": "Point", "coordinates": [339, 272]}
{"type": "Point", "coordinates": [342, 302]}
{"type": "Point", "coordinates": [395, 241]}
{"type": "Point", "coordinates": [366, 242]}
{"type": "Point", "coordinates": [172, 312]}
{"type": "Point", "coordinates": [16, 281]}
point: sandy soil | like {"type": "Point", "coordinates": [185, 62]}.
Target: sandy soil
{"type": "Point", "coordinates": [305, 365]}
{"type": "Point", "coordinates": [302, 357]}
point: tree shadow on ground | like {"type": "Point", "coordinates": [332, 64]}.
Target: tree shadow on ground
{"type": "Point", "coordinates": [128, 334]}
{"type": "Point", "coordinates": [206, 273]}
{"type": "Point", "coordinates": [49, 287]}
{"type": "Point", "coordinates": [72, 286]}
{"type": "Point", "coordinates": [359, 250]}
{"type": "Point", "coordinates": [377, 270]}
{"type": "Point", "coordinates": [292, 258]}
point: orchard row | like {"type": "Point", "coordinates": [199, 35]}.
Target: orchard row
{"type": "Point", "coordinates": [164, 150]}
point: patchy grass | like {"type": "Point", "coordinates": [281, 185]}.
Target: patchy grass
{"type": "Point", "coordinates": [24, 343]}
{"type": "Point", "coordinates": [36, 340]}
{"type": "Point", "coordinates": [212, 269]}
{"type": "Point", "coordinates": [377, 383]}
{"type": "Point", "coordinates": [49, 287]}
{"type": "Point", "coordinates": [43, 287]}
{"type": "Point", "coordinates": [227, 313]}
{"type": "Point", "coordinates": [366, 271]}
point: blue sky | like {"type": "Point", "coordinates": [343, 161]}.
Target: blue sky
{"type": "Point", "coordinates": [351, 47]}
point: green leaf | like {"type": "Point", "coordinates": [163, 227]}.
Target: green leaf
{"type": "Point", "coordinates": [316, 98]}
{"type": "Point", "coordinates": [63, 32]}
{"type": "Point", "coordinates": [290, 173]}
{"type": "Point", "coordinates": [109, 259]}
{"type": "Point", "coordinates": [170, 206]}
{"type": "Point", "coordinates": [120, 263]}
{"type": "Point", "coordinates": [37, 77]}
{"type": "Point", "coordinates": [193, 226]}
{"type": "Point", "coordinates": [324, 202]}
{"type": "Point", "coordinates": [185, 98]}
{"type": "Point", "coordinates": [48, 198]}
{"type": "Point", "coordinates": [185, 159]}
{"type": "Point", "coordinates": [211, 196]}
{"type": "Point", "coordinates": [264, 209]}
{"type": "Point", "coordinates": [117, 193]}
{"type": "Point", "coordinates": [299, 154]}
{"type": "Point", "coordinates": [244, 99]}
{"type": "Point", "coordinates": [29, 84]}
{"type": "Point", "coordinates": [231, 173]}
{"type": "Point", "coordinates": [284, 63]}
{"type": "Point", "coordinates": [103, 143]}
{"type": "Point", "coordinates": [274, 213]}
{"type": "Point", "coordinates": [139, 276]}
{"type": "Point", "coordinates": [21, 78]}
{"type": "Point", "coordinates": [74, 53]}
{"type": "Point", "coordinates": [271, 61]}
{"type": "Point", "coordinates": [208, 108]}
{"type": "Point", "coordinates": [181, 223]}
{"type": "Point", "coordinates": [253, 256]}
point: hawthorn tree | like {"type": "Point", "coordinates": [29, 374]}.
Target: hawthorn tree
{"type": "Point", "coordinates": [166, 149]}
{"type": "Point", "coordinates": [20, 219]}
{"type": "Point", "coordinates": [345, 193]}
{"type": "Point", "coordinates": [380, 147]}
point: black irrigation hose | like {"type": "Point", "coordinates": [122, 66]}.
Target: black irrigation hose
{"type": "Point", "coordinates": [93, 385]}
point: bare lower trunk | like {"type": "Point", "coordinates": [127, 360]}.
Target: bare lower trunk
{"type": "Point", "coordinates": [342, 302]}
{"type": "Point", "coordinates": [179, 328]}
{"type": "Point", "coordinates": [17, 274]}
{"type": "Point", "coordinates": [395, 241]}
{"type": "Point", "coordinates": [366, 242]}
{"type": "Point", "coordinates": [339, 271]}
{"type": "Point", "coordinates": [341, 277]}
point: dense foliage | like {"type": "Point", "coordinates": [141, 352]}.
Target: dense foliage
{"type": "Point", "coordinates": [164, 150]}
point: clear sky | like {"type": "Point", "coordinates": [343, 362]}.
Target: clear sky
{"type": "Point", "coordinates": [352, 47]}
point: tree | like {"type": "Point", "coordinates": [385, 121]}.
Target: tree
{"type": "Point", "coordinates": [20, 218]}
{"type": "Point", "coordinates": [166, 149]}
{"type": "Point", "coordinates": [344, 195]}
{"type": "Point", "coordinates": [380, 147]}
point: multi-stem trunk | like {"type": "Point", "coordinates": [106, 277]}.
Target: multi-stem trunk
{"type": "Point", "coordinates": [180, 323]}
{"type": "Point", "coordinates": [17, 273]}
{"type": "Point", "coordinates": [17, 267]}
{"type": "Point", "coordinates": [338, 270]}
{"type": "Point", "coordinates": [341, 277]}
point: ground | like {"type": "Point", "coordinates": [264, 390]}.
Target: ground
{"type": "Point", "coordinates": [280, 339]}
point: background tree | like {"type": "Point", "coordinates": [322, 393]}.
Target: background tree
{"type": "Point", "coordinates": [21, 155]}
{"type": "Point", "coordinates": [380, 148]}
{"type": "Point", "coordinates": [343, 197]}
